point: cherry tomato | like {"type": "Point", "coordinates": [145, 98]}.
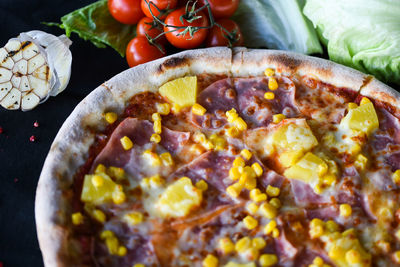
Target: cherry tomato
{"type": "Point", "coordinates": [222, 8]}
{"type": "Point", "coordinates": [125, 11]}
{"type": "Point", "coordinates": [143, 28]}
{"type": "Point", "coordinates": [161, 4]}
{"type": "Point", "coordinates": [217, 36]}
{"type": "Point", "coordinates": [185, 41]}
{"type": "Point", "coordinates": [139, 51]}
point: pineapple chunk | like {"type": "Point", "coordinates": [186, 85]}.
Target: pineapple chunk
{"type": "Point", "coordinates": [179, 199]}
{"type": "Point", "coordinates": [362, 118]}
{"type": "Point", "coordinates": [292, 139]}
{"type": "Point", "coordinates": [98, 194]}
{"type": "Point", "coordinates": [181, 91]}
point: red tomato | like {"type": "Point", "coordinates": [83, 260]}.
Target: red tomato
{"type": "Point", "coordinates": [161, 4]}
{"type": "Point", "coordinates": [222, 8]}
{"type": "Point", "coordinates": [144, 26]}
{"type": "Point", "coordinates": [125, 11]}
{"type": "Point", "coordinates": [139, 51]}
{"type": "Point", "coordinates": [217, 36]}
{"type": "Point", "coordinates": [185, 41]}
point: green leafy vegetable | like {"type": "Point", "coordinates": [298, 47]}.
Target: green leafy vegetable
{"type": "Point", "coordinates": [278, 24]}
{"type": "Point", "coordinates": [363, 34]}
{"type": "Point", "coordinates": [94, 23]}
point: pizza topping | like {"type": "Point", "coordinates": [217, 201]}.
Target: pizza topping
{"type": "Point", "coordinates": [269, 95]}
{"type": "Point", "coordinates": [179, 198]}
{"type": "Point", "coordinates": [98, 188]}
{"type": "Point", "coordinates": [111, 117]}
{"type": "Point", "coordinates": [210, 261]}
{"type": "Point", "coordinates": [181, 91]}
{"type": "Point", "coordinates": [126, 143]}
{"type": "Point", "coordinates": [198, 109]}
{"type": "Point", "coordinates": [163, 109]}
{"type": "Point", "coordinates": [77, 218]}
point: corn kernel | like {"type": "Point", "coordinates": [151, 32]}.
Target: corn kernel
{"type": "Point", "coordinates": [252, 208]}
{"type": "Point", "coordinates": [250, 223]}
{"type": "Point", "coordinates": [232, 132]}
{"type": "Point", "coordinates": [116, 172]}
{"type": "Point", "coordinates": [249, 172]}
{"type": "Point", "coordinates": [156, 181]}
{"type": "Point", "coordinates": [122, 251]}
{"type": "Point", "coordinates": [331, 226]}
{"type": "Point", "coordinates": [355, 149]}
{"type": "Point", "coordinates": [234, 190]}
{"type": "Point", "coordinates": [126, 143]}
{"type": "Point", "coordinates": [163, 109]}
{"type": "Point", "coordinates": [257, 196]}
{"type": "Point", "coordinates": [155, 138]}
{"type": "Point", "coordinates": [361, 161]}
{"type": "Point", "coordinates": [112, 245]}
{"type": "Point", "coordinates": [397, 234]}
{"type": "Point", "coordinates": [269, 72]}
{"type": "Point", "coordinates": [258, 243]}
{"type": "Point", "coordinates": [166, 159]}
{"type": "Point", "coordinates": [198, 109]}
{"type": "Point", "coordinates": [353, 256]}
{"type": "Point", "coordinates": [199, 137]}
{"type": "Point", "coordinates": [248, 181]}
{"type": "Point", "coordinates": [318, 261]}
{"type": "Point", "coordinates": [316, 222]}
{"type": "Point", "coordinates": [106, 234]}
{"type": "Point", "coordinates": [267, 260]}
{"type": "Point", "coordinates": [208, 145]}
{"type": "Point", "coordinates": [152, 158]}
{"type": "Point", "coordinates": [240, 124]}
{"type": "Point", "coordinates": [234, 173]}
{"type": "Point", "coordinates": [316, 231]}
{"type": "Point", "coordinates": [97, 180]}
{"type": "Point", "coordinates": [352, 105]}
{"type": "Point", "coordinates": [273, 191]}
{"type": "Point", "coordinates": [100, 169]}
{"type": "Point", "coordinates": [111, 117]}
{"type": "Point", "coordinates": [268, 211]}
{"type": "Point", "coordinates": [270, 227]}
{"type": "Point", "coordinates": [202, 185]}
{"type": "Point", "coordinates": [197, 149]}
{"type": "Point", "coordinates": [99, 215]}
{"type": "Point", "coordinates": [257, 169]}
{"type": "Point", "coordinates": [157, 127]}
{"type": "Point", "coordinates": [118, 197]}
{"type": "Point", "coordinates": [238, 162]}
{"type": "Point", "coordinates": [277, 118]}
{"type": "Point", "coordinates": [396, 177]}
{"type": "Point", "coordinates": [226, 245]}
{"type": "Point", "coordinates": [345, 210]}
{"type": "Point", "coordinates": [133, 218]}
{"type": "Point", "coordinates": [275, 233]}
{"type": "Point", "coordinates": [272, 83]}
{"type": "Point", "coordinates": [364, 101]}
{"type": "Point", "coordinates": [275, 202]}
{"type": "Point", "coordinates": [156, 117]}
{"type": "Point", "coordinates": [77, 218]}
{"type": "Point", "coordinates": [269, 95]}
{"type": "Point", "coordinates": [246, 154]}
{"type": "Point", "coordinates": [231, 115]}
{"type": "Point", "coordinates": [243, 244]}
{"type": "Point", "coordinates": [396, 256]}
{"type": "Point", "coordinates": [139, 265]}
{"type": "Point", "coordinates": [176, 108]}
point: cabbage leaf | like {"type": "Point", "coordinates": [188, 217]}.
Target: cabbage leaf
{"type": "Point", "coordinates": [363, 34]}
{"type": "Point", "coordinates": [277, 24]}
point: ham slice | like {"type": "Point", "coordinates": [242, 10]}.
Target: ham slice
{"type": "Point", "coordinates": [139, 131]}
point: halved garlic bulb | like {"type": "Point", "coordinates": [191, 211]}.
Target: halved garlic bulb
{"type": "Point", "coordinates": [33, 66]}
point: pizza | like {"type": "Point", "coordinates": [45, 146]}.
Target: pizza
{"type": "Point", "coordinates": [226, 157]}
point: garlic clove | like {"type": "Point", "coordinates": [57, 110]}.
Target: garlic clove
{"type": "Point", "coordinates": [12, 100]}
{"type": "Point", "coordinates": [33, 66]}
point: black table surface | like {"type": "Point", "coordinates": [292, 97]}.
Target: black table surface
{"type": "Point", "coordinates": [21, 161]}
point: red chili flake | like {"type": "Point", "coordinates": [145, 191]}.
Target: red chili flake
{"type": "Point", "coordinates": [32, 139]}
{"type": "Point", "coordinates": [1, 264]}
{"type": "Point", "coordinates": [36, 124]}
{"type": "Point", "coordinates": [1, 131]}
{"type": "Point", "coordinates": [15, 181]}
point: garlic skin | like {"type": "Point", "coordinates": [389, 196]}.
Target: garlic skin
{"type": "Point", "coordinates": [33, 66]}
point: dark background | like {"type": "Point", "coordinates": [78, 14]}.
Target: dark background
{"type": "Point", "coordinates": [21, 160]}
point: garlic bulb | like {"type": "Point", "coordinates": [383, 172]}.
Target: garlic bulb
{"type": "Point", "coordinates": [33, 66]}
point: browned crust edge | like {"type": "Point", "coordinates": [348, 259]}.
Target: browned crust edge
{"type": "Point", "coordinates": [69, 149]}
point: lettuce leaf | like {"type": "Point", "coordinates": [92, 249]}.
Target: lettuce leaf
{"type": "Point", "coordinates": [278, 24]}
{"type": "Point", "coordinates": [95, 23]}
{"type": "Point", "coordinates": [363, 34]}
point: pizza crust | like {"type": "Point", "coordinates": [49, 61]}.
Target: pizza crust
{"type": "Point", "coordinates": [70, 148]}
